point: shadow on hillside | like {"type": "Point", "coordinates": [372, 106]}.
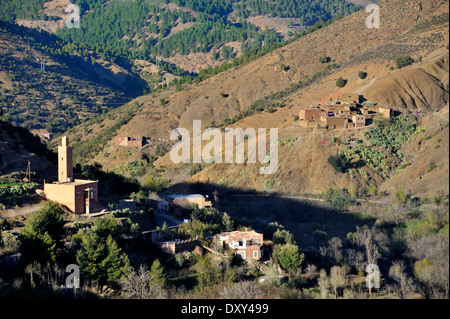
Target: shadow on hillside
{"type": "Point", "coordinates": [312, 222]}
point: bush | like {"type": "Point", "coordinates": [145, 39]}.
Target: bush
{"type": "Point", "coordinates": [341, 82]}
{"type": "Point", "coordinates": [324, 59]}
{"type": "Point", "coordinates": [339, 162]}
{"type": "Point", "coordinates": [403, 60]}
{"type": "Point", "coordinates": [196, 168]}
{"type": "Point", "coordinates": [42, 234]}
{"type": "Point", "coordinates": [362, 75]}
{"type": "Point", "coordinates": [339, 199]}
{"type": "Point", "coordinates": [288, 256]}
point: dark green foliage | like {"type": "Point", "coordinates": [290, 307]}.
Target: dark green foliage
{"type": "Point", "coordinates": [340, 82]}
{"type": "Point", "coordinates": [288, 256]}
{"type": "Point", "coordinates": [362, 75]}
{"type": "Point", "coordinates": [339, 199]}
{"type": "Point", "coordinates": [324, 59]}
{"type": "Point", "coordinates": [42, 234]}
{"type": "Point", "coordinates": [339, 162]}
{"type": "Point", "coordinates": [403, 61]}
{"type": "Point", "coordinates": [392, 133]}
{"type": "Point", "coordinates": [101, 261]}
{"type": "Point", "coordinates": [282, 237]}
{"type": "Point", "coordinates": [195, 168]}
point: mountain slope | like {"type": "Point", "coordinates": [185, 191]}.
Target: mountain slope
{"type": "Point", "coordinates": [70, 89]}
{"type": "Point", "coordinates": [222, 98]}
{"type": "Point", "coordinates": [419, 88]}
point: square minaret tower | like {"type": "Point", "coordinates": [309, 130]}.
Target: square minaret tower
{"type": "Point", "coordinates": [65, 164]}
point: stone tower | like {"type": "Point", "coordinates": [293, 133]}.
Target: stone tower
{"type": "Point", "coordinates": [65, 165]}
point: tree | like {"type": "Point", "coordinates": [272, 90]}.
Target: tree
{"type": "Point", "coordinates": [335, 245]}
{"type": "Point", "coordinates": [282, 237]}
{"type": "Point", "coordinates": [405, 284]}
{"type": "Point", "coordinates": [324, 284]}
{"type": "Point", "coordinates": [42, 234]}
{"type": "Point", "coordinates": [339, 162]}
{"type": "Point", "coordinates": [362, 75]}
{"type": "Point", "coordinates": [339, 199]}
{"type": "Point", "coordinates": [288, 256]}
{"type": "Point", "coordinates": [337, 278]}
{"type": "Point", "coordinates": [324, 59]}
{"type": "Point", "coordinates": [227, 223]}
{"type": "Point", "coordinates": [403, 60]}
{"type": "Point", "coordinates": [158, 278]}
{"type": "Point", "coordinates": [140, 285]}
{"type": "Point", "coordinates": [101, 261]}
{"type": "Point", "coordinates": [209, 272]}
{"type": "Point", "coordinates": [340, 82]}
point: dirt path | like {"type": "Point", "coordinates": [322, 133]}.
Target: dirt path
{"type": "Point", "coordinates": [28, 209]}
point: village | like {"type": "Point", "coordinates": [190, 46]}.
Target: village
{"type": "Point", "coordinates": [80, 199]}
{"type": "Point", "coordinates": [347, 112]}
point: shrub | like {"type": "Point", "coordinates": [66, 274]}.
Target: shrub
{"type": "Point", "coordinates": [197, 167]}
{"type": "Point", "coordinates": [339, 199]}
{"type": "Point", "coordinates": [339, 162]}
{"type": "Point", "coordinates": [362, 75]}
{"type": "Point", "coordinates": [324, 59]}
{"type": "Point", "coordinates": [288, 256]}
{"type": "Point", "coordinates": [341, 82]}
{"type": "Point", "coordinates": [403, 60]}
{"type": "Point", "coordinates": [432, 167]}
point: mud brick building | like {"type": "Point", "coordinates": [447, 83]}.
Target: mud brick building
{"type": "Point", "coordinates": [78, 195]}
{"type": "Point", "coordinates": [130, 141]}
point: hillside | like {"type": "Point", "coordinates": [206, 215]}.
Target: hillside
{"type": "Point", "coordinates": [222, 98]}
{"type": "Point", "coordinates": [17, 147]}
{"type": "Point", "coordinates": [66, 90]}
{"type": "Point", "coordinates": [358, 190]}
{"type": "Point", "coordinates": [190, 35]}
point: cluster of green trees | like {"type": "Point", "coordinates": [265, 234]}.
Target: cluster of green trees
{"type": "Point", "coordinates": [307, 10]}
{"type": "Point", "coordinates": [403, 60]}
{"type": "Point", "coordinates": [86, 97]}
{"type": "Point", "coordinates": [96, 250]}
{"type": "Point", "coordinates": [98, 254]}
{"type": "Point", "coordinates": [137, 29]}
{"type": "Point", "coordinates": [42, 235]}
{"type": "Point", "coordinates": [131, 35]}
{"type": "Point", "coordinates": [19, 9]}
{"type": "Point", "coordinates": [206, 220]}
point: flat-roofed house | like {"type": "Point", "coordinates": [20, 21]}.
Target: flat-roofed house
{"type": "Point", "coordinates": [130, 141]}
{"type": "Point", "coordinates": [332, 122]}
{"type": "Point", "coordinates": [248, 244]}
{"type": "Point", "coordinates": [310, 115]}
{"type": "Point", "coordinates": [359, 120]}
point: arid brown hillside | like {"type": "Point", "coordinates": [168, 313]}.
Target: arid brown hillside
{"type": "Point", "coordinates": [425, 150]}
{"type": "Point", "coordinates": [416, 28]}
{"type": "Point", "coordinates": [423, 87]}
{"type": "Point", "coordinates": [65, 90]}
